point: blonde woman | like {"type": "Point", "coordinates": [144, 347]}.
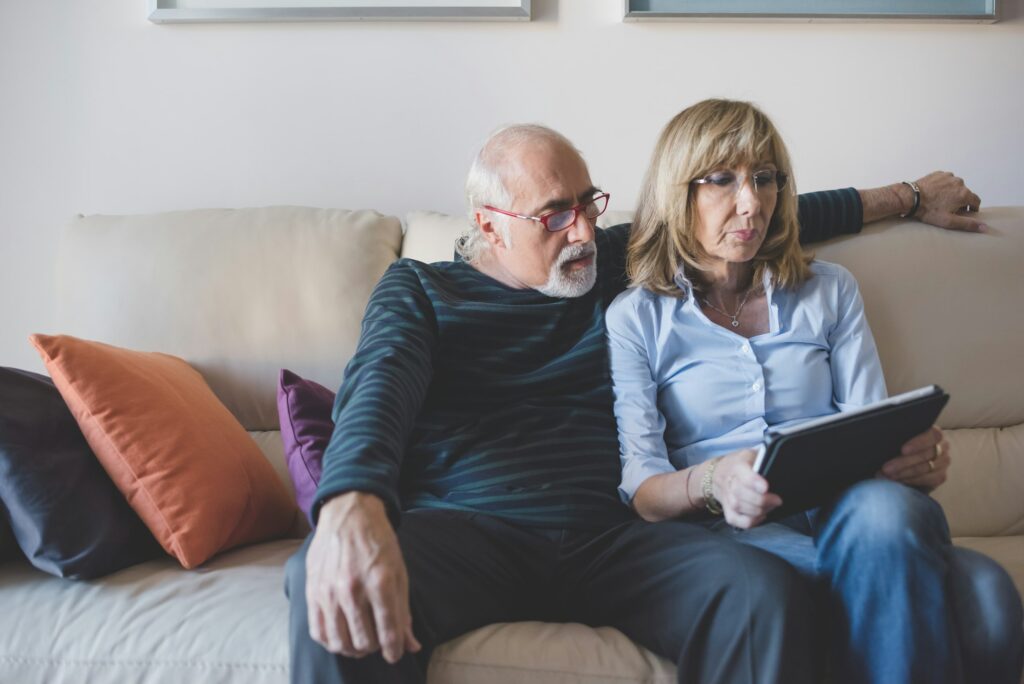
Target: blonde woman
{"type": "Point", "coordinates": [730, 328]}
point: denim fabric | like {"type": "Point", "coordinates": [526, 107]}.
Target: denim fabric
{"type": "Point", "coordinates": [904, 605]}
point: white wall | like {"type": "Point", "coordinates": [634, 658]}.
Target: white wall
{"type": "Point", "coordinates": [102, 111]}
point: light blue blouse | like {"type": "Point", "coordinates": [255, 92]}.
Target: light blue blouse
{"type": "Point", "coordinates": [687, 390]}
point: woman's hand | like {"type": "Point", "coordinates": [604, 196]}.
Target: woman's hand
{"type": "Point", "coordinates": [923, 463]}
{"type": "Point", "coordinates": [743, 493]}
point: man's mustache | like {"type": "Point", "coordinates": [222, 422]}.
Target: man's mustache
{"type": "Point", "coordinates": [579, 251]}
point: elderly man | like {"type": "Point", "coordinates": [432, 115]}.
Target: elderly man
{"type": "Point", "coordinates": [472, 475]}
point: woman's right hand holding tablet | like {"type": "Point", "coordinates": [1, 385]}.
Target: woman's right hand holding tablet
{"type": "Point", "coordinates": [743, 494]}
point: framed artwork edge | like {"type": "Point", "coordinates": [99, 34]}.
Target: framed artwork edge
{"type": "Point", "coordinates": [169, 12]}
{"type": "Point", "coordinates": [633, 15]}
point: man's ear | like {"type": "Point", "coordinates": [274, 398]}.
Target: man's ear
{"type": "Point", "coordinates": [486, 226]}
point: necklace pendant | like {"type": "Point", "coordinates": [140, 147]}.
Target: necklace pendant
{"type": "Point", "coordinates": [735, 323]}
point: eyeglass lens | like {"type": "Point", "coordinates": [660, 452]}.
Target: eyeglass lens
{"type": "Point", "coordinates": [765, 180]}
{"type": "Point", "coordinates": [563, 219]}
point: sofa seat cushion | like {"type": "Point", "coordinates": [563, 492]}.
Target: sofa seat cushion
{"type": "Point", "coordinates": [228, 621]}
{"type": "Point", "coordinates": [155, 622]}
{"type": "Point", "coordinates": [542, 653]}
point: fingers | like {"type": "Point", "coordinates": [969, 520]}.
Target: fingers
{"type": "Point", "coordinates": [967, 224]}
{"type": "Point", "coordinates": [391, 615]}
{"type": "Point", "coordinates": [945, 199]}
{"type": "Point", "coordinates": [746, 500]}
{"type": "Point", "coordinates": [964, 224]}
{"type": "Point", "coordinates": [361, 625]}
{"type": "Point", "coordinates": [412, 644]}
{"type": "Point", "coordinates": [973, 201]}
{"type": "Point", "coordinates": [924, 464]}
{"type": "Point", "coordinates": [328, 625]}
{"type": "Point", "coordinates": [922, 442]}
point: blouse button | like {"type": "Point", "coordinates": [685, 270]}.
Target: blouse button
{"type": "Point", "coordinates": [756, 386]}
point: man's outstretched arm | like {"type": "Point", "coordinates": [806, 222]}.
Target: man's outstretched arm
{"type": "Point", "coordinates": [945, 201]}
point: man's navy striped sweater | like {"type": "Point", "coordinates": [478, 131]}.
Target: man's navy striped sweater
{"type": "Point", "coordinates": [467, 394]}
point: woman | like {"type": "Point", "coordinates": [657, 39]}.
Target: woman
{"type": "Point", "coordinates": [730, 329]}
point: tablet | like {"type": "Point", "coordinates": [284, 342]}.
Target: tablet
{"type": "Point", "coordinates": [809, 463]}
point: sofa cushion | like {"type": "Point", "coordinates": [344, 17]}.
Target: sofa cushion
{"type": "Point", "coordinates": [154, 622]}
{"type": "Point", "coordinates": [238, 293]}
{"type": "Point", "coordinates": [186, 466]}
{"type": "Point", "coordinates": [306, 426]}
{"type": "Point", "coordinates": [68, 517]}
{"type": "Point", "coordinates": [943, 308]}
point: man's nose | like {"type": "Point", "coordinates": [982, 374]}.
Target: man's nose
{"type": "Point", "coordinates": [582, 229]}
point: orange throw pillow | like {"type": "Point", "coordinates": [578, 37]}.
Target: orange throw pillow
{"type": "Point", "coordinates": [185, 464]}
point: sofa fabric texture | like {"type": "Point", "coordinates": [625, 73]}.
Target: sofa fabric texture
{"type": "Point", "coordinates": [67, 516]}
{"type": "Point", "coordinates": [943, 307]}
{"type": "Point", "coordinates": [186, 466]}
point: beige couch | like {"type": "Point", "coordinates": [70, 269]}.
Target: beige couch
{"type": "Point", "coordinates": [242, 293]}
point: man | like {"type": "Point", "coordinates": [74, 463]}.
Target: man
{"type": "Point", "coordinates": [473, 471]}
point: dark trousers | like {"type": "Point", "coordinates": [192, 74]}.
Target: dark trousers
{"type": "Point", "coordinates": [723, 612]}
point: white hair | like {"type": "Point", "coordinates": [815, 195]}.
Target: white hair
{"type": "Point", "coordinates": [485, 182]}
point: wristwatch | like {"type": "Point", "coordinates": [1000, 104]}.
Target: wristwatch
{"type": "Point", "coordinates": [710, 502]}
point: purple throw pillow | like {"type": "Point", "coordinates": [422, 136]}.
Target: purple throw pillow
{"type": "Point", "coordinates": [304, 408]}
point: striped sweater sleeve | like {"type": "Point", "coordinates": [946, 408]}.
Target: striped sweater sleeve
{"type": "Point", "coordinates": [381, 393]}
{"type": "Point", "coordinates": [824, 215]}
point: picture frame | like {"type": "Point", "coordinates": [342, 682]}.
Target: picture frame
{"type": "Point", "coordinates": [972, 11]}
{"type": "Point", "coordinates": [201, 11]}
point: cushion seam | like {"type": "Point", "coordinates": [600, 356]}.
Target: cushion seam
{"type": "Point", "coordinates": [16, 660]}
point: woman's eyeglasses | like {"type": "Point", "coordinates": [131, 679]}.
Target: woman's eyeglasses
{"type": "Point", "coordinates": [728, 183]}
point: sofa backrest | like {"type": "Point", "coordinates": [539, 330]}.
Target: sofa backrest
{"type": "Point", "coordinates": [243, 293]}
{"type": "Point", "coordinates": [238, 293]}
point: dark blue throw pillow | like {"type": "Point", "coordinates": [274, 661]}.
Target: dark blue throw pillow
{"type": "Point", "coordinates": [66, 515]}
{"type": "Point", "coordinates": [7, 546]}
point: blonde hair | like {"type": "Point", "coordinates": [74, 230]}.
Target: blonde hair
{"type": "Point", "coordinates": [710, 135]}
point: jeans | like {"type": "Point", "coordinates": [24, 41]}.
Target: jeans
{"type": "Point", "coordinates": [904, 605]}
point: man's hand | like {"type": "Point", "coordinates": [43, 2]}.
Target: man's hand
{"type": "Point", "coordinates": [357, 589]}
{"type": "Point", "coordinates": [923, 463]}
{"type": "Point", "coordinates": [743, 493]}
{"type": "Point", "coordinates": [946, 202]}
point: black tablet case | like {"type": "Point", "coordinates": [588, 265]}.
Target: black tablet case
{"type": "Point", "coordinates": [809, 468]}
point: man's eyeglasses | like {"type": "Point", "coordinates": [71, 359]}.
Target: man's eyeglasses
{"type": "Point", "coordinates": [728, 183]}
{"type": "Point", "coordinates": [560, 220]}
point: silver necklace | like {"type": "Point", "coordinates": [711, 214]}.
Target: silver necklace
{"type": "Point", "coordinates": [739, 309]}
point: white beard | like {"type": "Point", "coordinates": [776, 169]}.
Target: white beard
{"type": "Point", "coordinates": [577, 282]}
